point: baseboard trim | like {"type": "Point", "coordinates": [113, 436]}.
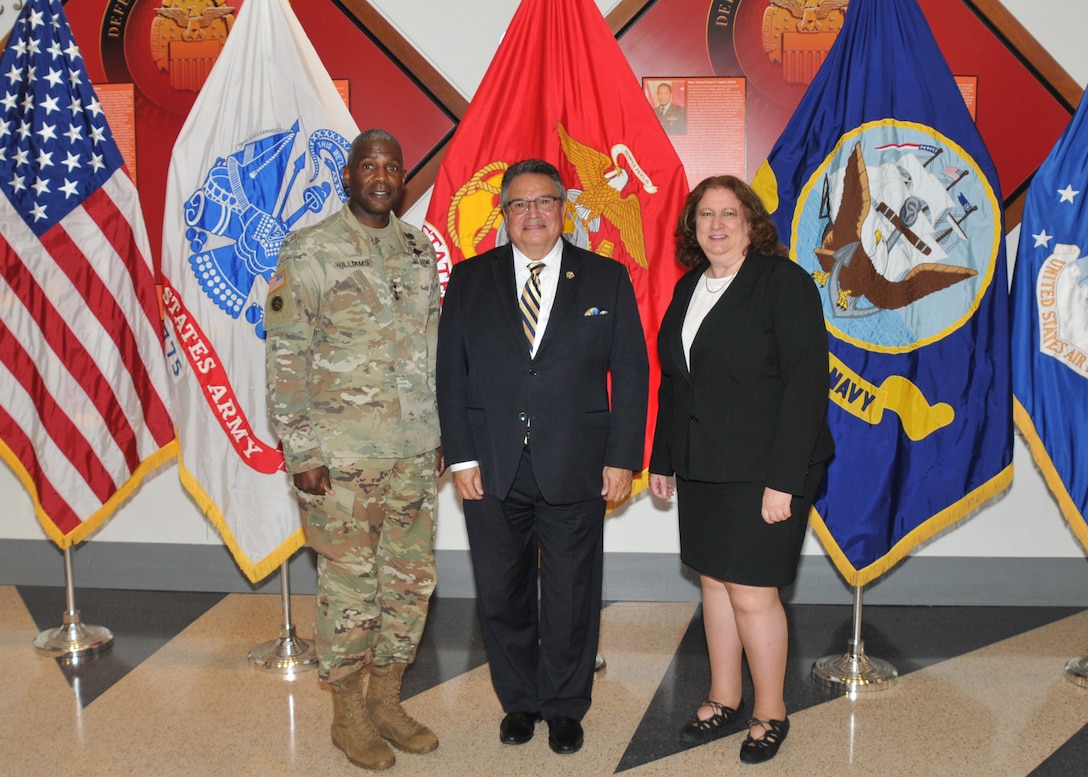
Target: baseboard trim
{"type": "Point", "coordinates": [924, 580]}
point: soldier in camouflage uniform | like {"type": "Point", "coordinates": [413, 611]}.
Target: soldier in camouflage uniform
{"type": "Point", "coordinates": [352, 318]}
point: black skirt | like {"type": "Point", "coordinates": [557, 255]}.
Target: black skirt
{"type": "Point", "coordinates": [723, 535]}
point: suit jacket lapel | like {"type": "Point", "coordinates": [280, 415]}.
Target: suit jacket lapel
{"type": "Point", "coordinates": [676, 342]}
{"type": "Point", "coordinates": [725, 308]}
{"type": "Point", "coordinates": [507, 293]}
{"type": "Point", "coordinates": [569, 272]}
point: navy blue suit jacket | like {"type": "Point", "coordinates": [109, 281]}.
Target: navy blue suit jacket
{"type": "Point", "coordinates": [488, 386]}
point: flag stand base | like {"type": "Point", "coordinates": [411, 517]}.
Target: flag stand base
{"type": "Point", "coordinates": [1076, 671]}
{"type": "Point", "coordinates": [74, 639]}
{"type": "Point", "coordinates": [854, 671]}
{"type": "Point", "coordinates": [288, 654]}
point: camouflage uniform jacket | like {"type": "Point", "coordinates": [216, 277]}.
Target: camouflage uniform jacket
{"type": "Point", "coordinates": [352, 322]}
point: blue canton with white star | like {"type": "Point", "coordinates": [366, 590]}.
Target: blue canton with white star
{"type": "Point", "coordinates": [55, 146]}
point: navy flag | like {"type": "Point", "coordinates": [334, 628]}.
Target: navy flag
{"type": "Point", "coordinates": [1050, 322]}
{"type": "Point", "coordinates": [881, 186]}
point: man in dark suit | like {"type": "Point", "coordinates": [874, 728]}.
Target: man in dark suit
{"type": "Point", "coordinates": [529, 335]}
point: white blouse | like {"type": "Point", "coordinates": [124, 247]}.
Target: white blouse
{"type": "Point", "coordinates": [707, 292]}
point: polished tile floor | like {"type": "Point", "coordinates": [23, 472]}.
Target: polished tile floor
{"type": "Point", "coordinates": [981, 692]}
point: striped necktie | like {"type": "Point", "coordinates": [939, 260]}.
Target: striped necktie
{"type": "Point", "coordinates": [530, 302]}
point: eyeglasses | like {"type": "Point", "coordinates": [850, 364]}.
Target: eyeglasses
{"type": "Point", "coordinates": [545, 204]}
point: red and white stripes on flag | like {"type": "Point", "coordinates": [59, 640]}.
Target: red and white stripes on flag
{"type": "Point", "coordinates": [84, 413]}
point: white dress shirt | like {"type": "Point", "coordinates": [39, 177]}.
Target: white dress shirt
{"type": "Point", "coordinates": [549, 282]}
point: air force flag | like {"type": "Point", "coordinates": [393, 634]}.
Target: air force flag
{"type": "Point", "coordinates": [1050, 322]}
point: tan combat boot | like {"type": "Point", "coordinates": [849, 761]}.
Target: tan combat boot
{"type": "Point", "coordinates": [352, 730]}
{"type": "Point", "coordinates": [390, 718]}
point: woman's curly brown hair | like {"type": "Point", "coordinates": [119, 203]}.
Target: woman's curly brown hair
{"type": "Point", "coordinates": [763, 235]}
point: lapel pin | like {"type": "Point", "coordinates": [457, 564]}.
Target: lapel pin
{"type": "Point", "coordinates": [570, 275]}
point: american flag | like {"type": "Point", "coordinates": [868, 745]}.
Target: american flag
{"type": "Point", "coordinates": [953, 173]}
{"type": "Point", "coordinates": [84, 414]}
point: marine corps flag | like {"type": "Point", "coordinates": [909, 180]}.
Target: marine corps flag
{"type": "Point", "coordinates": [572, 100]}
{"type": "Point", "coordinates": [259, 155]}
{"type": "Point", "coordinates": [882, 188]}
{"type": "Point", "coordinates": [84, 407]}
{"type": "Point", "coordinates": [1050, 322]}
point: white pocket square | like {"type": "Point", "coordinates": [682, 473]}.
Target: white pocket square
{"type": "Point", "coordinates": [595, 312]}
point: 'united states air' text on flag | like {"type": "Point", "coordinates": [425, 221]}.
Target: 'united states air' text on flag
{"type": "Point", "coordinates": [1050, 322]}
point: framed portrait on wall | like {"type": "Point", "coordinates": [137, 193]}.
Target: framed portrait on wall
{"type": "Point", "coordinates": [705, 120]}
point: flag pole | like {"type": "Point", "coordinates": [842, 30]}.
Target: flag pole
{"type": "Point", "coordinates": [854, 671]}
{"type": "Point", "coordinates": [287, 654]}
{"type": "Point", "coordinates": [73, 639]}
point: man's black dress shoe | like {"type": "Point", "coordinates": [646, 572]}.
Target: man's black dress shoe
{"type": "Point", "coordinates": [517, 727]}
{"type": "Point", "coordinates": [565, 735]}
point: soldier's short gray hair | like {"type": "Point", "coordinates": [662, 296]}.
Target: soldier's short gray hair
{"type": "Point", "coordinates": [368, 136]}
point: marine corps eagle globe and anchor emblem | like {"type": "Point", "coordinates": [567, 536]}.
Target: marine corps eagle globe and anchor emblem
{"type": "Point", "coordinates": [601, 201]}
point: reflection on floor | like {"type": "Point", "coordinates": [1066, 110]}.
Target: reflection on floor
{"type": "Point", "coordinates": [981, 692]}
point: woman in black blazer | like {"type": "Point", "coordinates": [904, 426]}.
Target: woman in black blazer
{"type": "Point", "coordinates": [742, 425]}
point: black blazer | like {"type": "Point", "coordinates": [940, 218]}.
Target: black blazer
{"type": "Point", "coordinates": [488, 387]}
{"type": "Point", "coordinates": [753, 405]}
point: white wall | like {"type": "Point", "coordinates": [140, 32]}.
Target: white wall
{"type": "Point", "coordinates": [1024, 523]}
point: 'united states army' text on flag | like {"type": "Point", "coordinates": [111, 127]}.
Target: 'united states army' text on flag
{"type": "Point", "coordinates": [260, 154]}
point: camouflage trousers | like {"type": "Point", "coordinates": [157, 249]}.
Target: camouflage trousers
{"type": "Point", "coordinates": [375, 566]}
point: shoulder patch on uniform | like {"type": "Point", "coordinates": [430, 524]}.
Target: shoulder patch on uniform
{"type": "Point", "coordinates": [276, 282]}
{"type": "Point", "coordinates": [279, 306]}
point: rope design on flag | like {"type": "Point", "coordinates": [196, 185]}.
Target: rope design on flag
{"type": "Point", "coordinates": [473, 185]}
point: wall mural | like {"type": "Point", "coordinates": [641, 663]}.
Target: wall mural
{"type": "Point", "coordinates": [164, 49]}
{"type": "Point", "coordinates": [768, 50]}
{"type": "Point", "coordinates": [738, 67]}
